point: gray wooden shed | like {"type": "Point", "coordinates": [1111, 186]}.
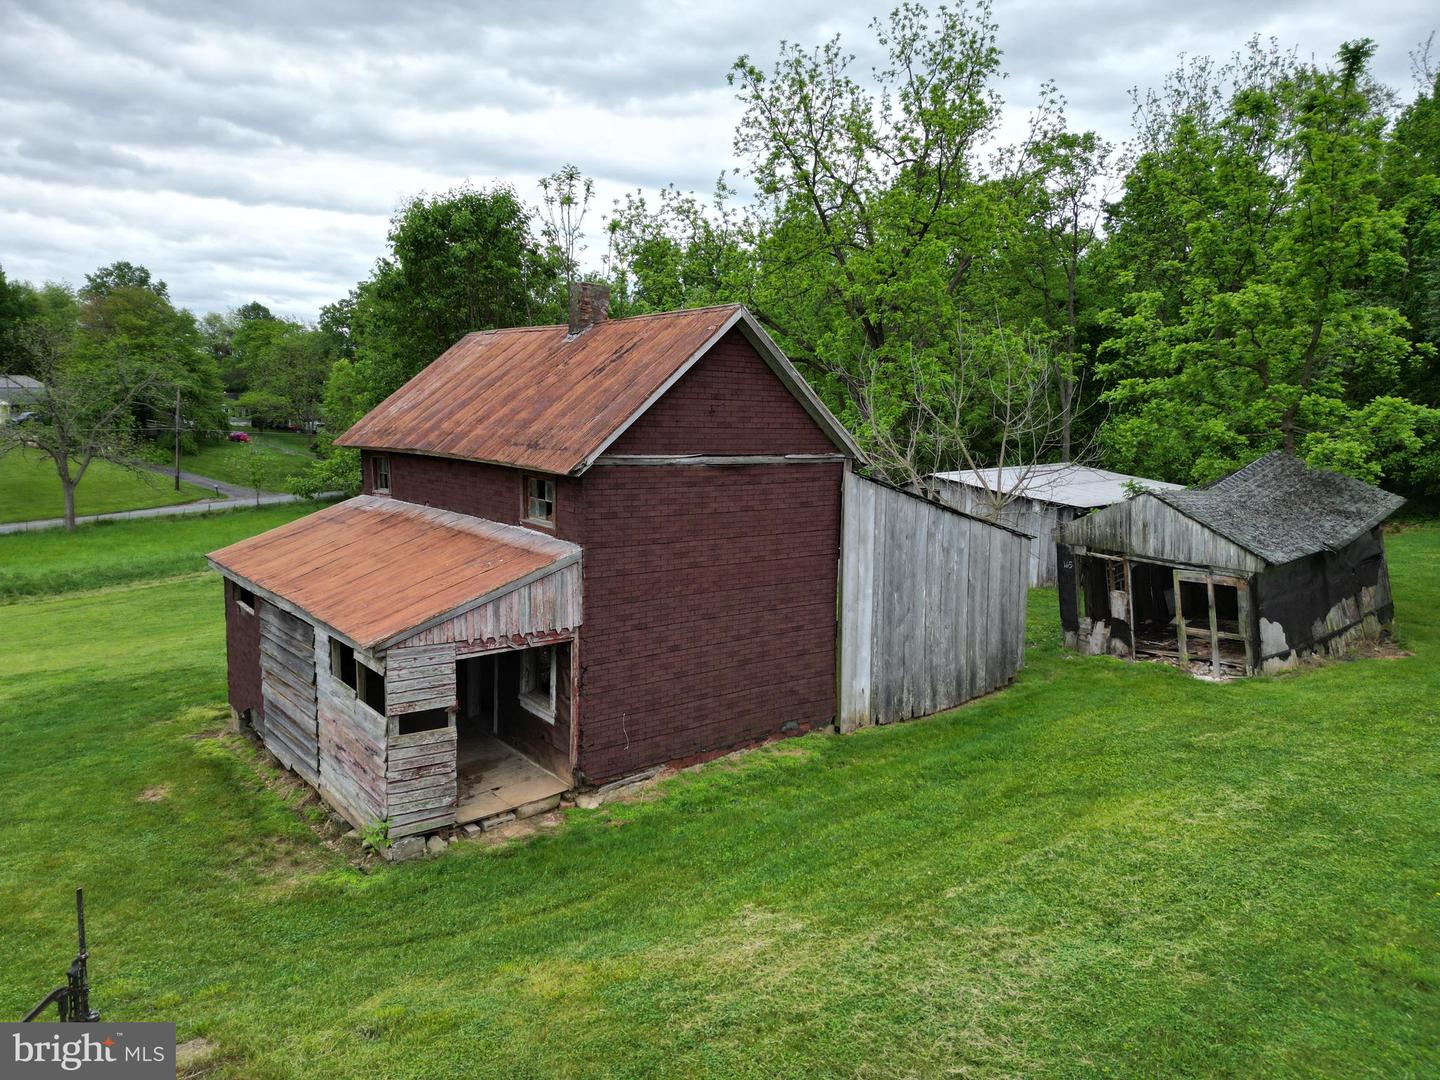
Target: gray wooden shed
{"type": "Point", "coordinates": [1038, 499]}
{"type": "Point", "coordinates": [1273, 563]}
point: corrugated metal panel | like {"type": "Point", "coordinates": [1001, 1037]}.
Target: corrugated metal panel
{"type": "Point", "coordinates": [535, 397]}
{"type": "Point", "coordinates": [1064, 483]}
{"type": "Point", "coordinates": [373, 568]}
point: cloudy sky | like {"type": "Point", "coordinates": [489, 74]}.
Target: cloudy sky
{"type": "Point", "coordinates": [255, 149]}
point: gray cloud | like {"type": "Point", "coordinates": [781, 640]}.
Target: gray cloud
{"type": "Point", "coordinates": [257, 148]}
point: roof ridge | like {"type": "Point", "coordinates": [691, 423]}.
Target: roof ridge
{"type": "Point", "coordinates": [624, 319]}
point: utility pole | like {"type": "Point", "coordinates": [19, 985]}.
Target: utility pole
{"type": "Point", "coordinates": [177, 438]}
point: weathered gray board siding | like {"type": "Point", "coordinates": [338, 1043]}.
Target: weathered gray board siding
{"type": "Point", "coordinates": [1146, 528]}
{"type": "Point", "coordinates": [420, 780]}
{"type": "Point", "coordinates": [532, 611]}
{"type": "Point", "coordinates": [352, 746]}
{"type": "Point", "coordinates": [287, 687]}
{"type": "Point", "coordinates": [932, 606]}
{"type": "Point", "coordinates": [419, 677]}
{"type": "Point", "coordinates": [1041, 520]}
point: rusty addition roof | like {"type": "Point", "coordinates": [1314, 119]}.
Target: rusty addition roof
{"type": "Point", "coordinates": [375, 568]}
{"type": "Point", "coordinates": [542, 398]}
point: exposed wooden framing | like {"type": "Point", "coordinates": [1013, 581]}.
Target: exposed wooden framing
{"type": "Point", "coordinates": [1214, 627]}
{"type": "Point", "coordinates": [1180, 622]}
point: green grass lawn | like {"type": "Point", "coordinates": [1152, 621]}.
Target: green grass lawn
{"type": "Point", "coordinates": [276, 457]}
{"type": "Point", "coordinates": [30, 490]}
{"type": "Point", "coordinates": [118, 552]}
{"type": "Point", "coordinates": [1107, 869]}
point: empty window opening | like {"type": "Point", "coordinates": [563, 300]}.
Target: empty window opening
{"type": "Point", "coordinates": [246, 599]}
{"type": "Point", "coordinates": [537, 681]}
{"type": "Point", "coordinates": [381, 473]}
{"type": "Point", "coordinates": [424, 720]}
{"type": "Point", "coordinates": [342, 662]}
{"type": "Point", "coordinates": [372, 688]}
{"type": "Point", "coordinates": [540, 500]}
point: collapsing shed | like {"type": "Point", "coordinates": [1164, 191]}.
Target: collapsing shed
{"type": "Point", "coordinates": [1038, 499]}
{"type": "Point", "coordinates": [1252, 573]}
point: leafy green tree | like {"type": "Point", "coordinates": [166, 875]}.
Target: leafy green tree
{"type": "Point", "coordinates": [135, 328]}
{"type": "Point", "coordinates": [461, 261]}
{"type": "Point", "coordinates": [87, 400]}
{"type": "Point", "coordinates": [565, 197]}
{"type": "Point", "coordinates": [286, 365]}
{"type": "Point", "coordinates": [121, 275]}
{"type": "Point", "coordinates": [678, 251]}
{"type": "Point", "coordinates": [1412, 181]}
{"type": "Point", "coordinates": [1254, 253]}
{"type": "Point", "coordinates": [884, 214]}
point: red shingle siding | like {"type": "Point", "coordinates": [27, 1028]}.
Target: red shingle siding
{"type": "Point", "coordinates": [242, 652]}
{"type": "Point", "coordinates": [473, 487]}
{"type": "Point", "coordinates": [728, 403]}
{"type": "Point", "coordinates": [709, 610]}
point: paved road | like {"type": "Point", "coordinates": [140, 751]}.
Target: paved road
{"type": "Point", "coordinates": [230, 491]}
{"type": "Point", "coordinates": [204, 506]}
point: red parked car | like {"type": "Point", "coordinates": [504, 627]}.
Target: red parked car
{"type": "Point", "coordinates": [239, 436]}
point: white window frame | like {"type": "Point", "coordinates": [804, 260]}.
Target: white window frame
{"type": "Point", "coordinates": [531, 700]}
{"type": "Point", "coordinates": [376, 464]}
{"type": "Point", "coordinates": [547, 496]}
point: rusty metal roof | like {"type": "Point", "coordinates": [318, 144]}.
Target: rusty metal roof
{"type": "Point", "coordinates": [540, 398]}
{"type": "Point", "coordinates": [373, 568]}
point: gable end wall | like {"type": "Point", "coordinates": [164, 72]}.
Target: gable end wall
{"type": "Point", "coordinates": [730, 402]}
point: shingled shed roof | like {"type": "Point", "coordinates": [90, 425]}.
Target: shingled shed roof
{"type": "Point", "coordinates": [374, 568]}
{"type": "Point", "coordinates": [542, 398]}
{"type": "Point", "coordinates": [1281, 509]}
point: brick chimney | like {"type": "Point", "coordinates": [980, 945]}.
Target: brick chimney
{"type": "Point", "coordinates": [589, 304]}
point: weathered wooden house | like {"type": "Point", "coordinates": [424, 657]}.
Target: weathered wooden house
{"type": "Point", "coordinates": [585, 550]}
{"type": "Point", "coordinates": [1038, 499]}
{"type": "Point", "coordinates": [1273, 563]}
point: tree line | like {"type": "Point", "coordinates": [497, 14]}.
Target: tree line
{"type": "Point", "coordinates": [1256, 267]}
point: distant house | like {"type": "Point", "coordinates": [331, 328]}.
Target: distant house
{"type": "Point", "coordinates": [21, 391]}
{"type": "Point", "coordinates": [1038, 499]}
{"type": "Point", "coordinates": [1274, 563]}
{"type": "Point", "coordinates": [590, 549]}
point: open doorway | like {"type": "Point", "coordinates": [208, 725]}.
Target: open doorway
{"type": "Point", "coordinates": [511, 750]}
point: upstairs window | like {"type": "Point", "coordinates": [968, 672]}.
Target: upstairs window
{"type": "Point", "coordinates": [246, 599]}
{"type": "Point", "coordinates": [342, 662]}
{"type": "Point", "coordinates": [540, 500]}
{"type": "Point", "coordinates": [537, 681]}
{"type": "Point", "coordinates": [380, 473]}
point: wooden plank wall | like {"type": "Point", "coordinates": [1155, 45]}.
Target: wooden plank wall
{"type": "Point", "coordinates": [932, 606]}
{"type": "Point", "coordinates": [1040, 519]}
{"type": "Point", "coordinates": [1147, 528]}
{"type": "Point", "coordinates": [352, 746]}
{"type": "Point", "coordinates": [287, 686]}
{"type": "Point", "coordinates": [419, 677]}
{"type": "Point", "coordinates": [420, 781]}
{"type": "Point", "coordinates": [546, 605]}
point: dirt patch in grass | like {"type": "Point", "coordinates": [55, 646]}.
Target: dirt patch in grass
{"type": "Point", "coordinates": [154, 794]}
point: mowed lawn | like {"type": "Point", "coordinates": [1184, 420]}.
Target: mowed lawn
{"type": "Point", "coordinates": [30, 489]}
{"type": "Point", "coordinates": [1107, 869]}
{"type": "Point", "coordinates": [270, 457]}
